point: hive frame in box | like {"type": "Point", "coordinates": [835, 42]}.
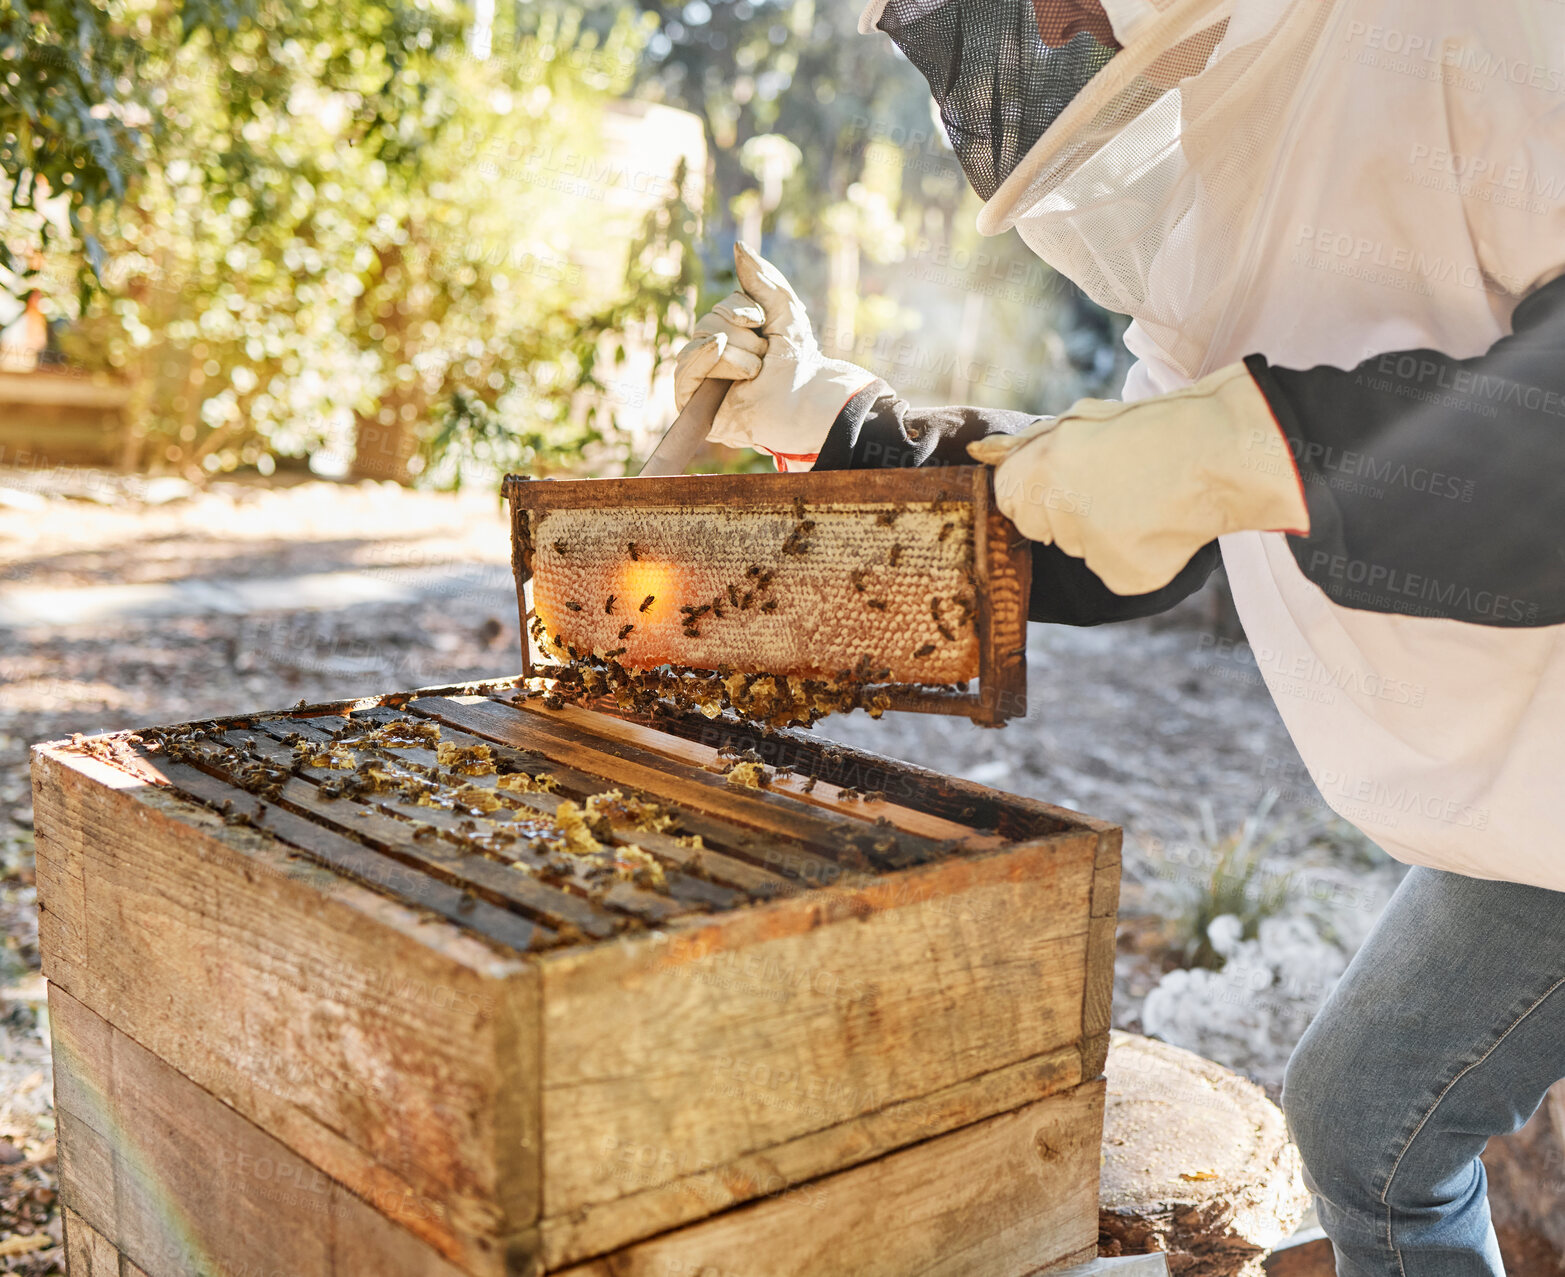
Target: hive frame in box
{"type": "Point", "coordinates": [1001, 572]}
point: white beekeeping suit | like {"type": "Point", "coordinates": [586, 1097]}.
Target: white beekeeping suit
{"type": "Point", "coordinates": [1321, 183]}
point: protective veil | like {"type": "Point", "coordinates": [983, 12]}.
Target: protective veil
{"type": "Point", "coordinates": [1312, 183]}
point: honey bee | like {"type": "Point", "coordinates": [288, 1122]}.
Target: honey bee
{"type": "Point", "coordinates": [733, 595]}
{"type": "Point", "coordinates": [945, 531]}
{"type": "Point", "coordinates": [559, 547]}
{"type": "Point", "coordinates": [878, 605]}
{"type": "Point", "coordinates": [886, 518]}
{"type": "Point", "coordinates": [769, 606]}
{"type": "Point", "coordinates": [647, 602]}
{"type": "Point", "coordinates": [946, 631]}
{"type": "Point", "coordinates": [635, 554]}
{"type": "Point", "coordinates": [796, 544]}
{"type": "Point", "coordinates": [857, 577]}
{"type": "Point", "coordinates": [573, 605]}
{"type": "Point", "coordinates": [608, 604]}
{"type": "Point", "coordinates": [923, 650]}
{"type": "Point", "coordinates": [625, 630]}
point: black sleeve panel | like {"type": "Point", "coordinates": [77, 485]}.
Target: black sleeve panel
{"type": "Point", "coordinates": [876, 431]}
{"type": "Point", "coordinates": [1436, 486]}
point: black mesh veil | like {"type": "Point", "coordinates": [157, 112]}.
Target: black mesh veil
{"type": "Point", "coordinates": [997, 82]}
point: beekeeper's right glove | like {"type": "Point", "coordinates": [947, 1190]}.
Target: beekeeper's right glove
{"type": "Point", "coordinates": [1136, 489]}
{"type": "Point", "coordinates": [786, 394]}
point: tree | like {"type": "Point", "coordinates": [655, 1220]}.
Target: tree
{"type": "Point", "coordinates": [323, 232]}
{"type": "Point", "coordinates": [875, 226]}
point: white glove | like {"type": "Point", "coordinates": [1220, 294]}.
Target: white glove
{"type": "Point", "coordinates": [1136, 489]}
{"type": "Point", "coordinates": [786, 393]}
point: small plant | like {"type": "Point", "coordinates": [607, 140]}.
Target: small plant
{"type": "Point", "coordinates": [1238, 883]}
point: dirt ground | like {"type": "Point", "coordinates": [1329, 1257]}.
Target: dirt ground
{"type": "Point", "coordinates": [125, 603]}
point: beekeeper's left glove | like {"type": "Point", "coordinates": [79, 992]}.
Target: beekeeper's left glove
{"type": "Point", "coordinates": [1135, 489]}
{"type": "Point", "coordinates": [786, 393]}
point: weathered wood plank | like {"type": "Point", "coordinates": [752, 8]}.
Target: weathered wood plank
{"type": "Point", "coordinates": [824, 794]}
{"type": "Point", "coordinates": [609, 1225]}
{"type": "Point", "coordinates": [1002, 575]}
{"type": "Point", "coordinates": [449, 872]}
{"type": "Point", "coordinates": [1003, 1197]}
{"type": "Point", "coordinates": [194, 1184]}
{"type": "Point", "coordinates": [1105, 888]}
{"type": "Point", "coordinates": [772, 814]}
{"type": "Point", "coordinates": [352, 859]}
{"type": "Point", "coordinates": [711, 860]}
{"type": "Point", "coordinates": [772, 847]}
{"type": "Point", "coordinates": [853, 487]}
{"type": "Point", "coordinates": [394, 1051]}
{"type": "Point", "coordinates": [1098, 993]}
{"type": "Point", "coordinates": [736, 1033]}
{"type": "Point", "coordinates": [683, 888]}
{"type": "Point", "coordinates": [917, 787]}
{"type": "Point", "coordinates": [88, 1253]}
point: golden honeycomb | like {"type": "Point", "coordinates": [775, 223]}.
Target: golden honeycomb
{"type": "Point", "coordinates": [796, 590]}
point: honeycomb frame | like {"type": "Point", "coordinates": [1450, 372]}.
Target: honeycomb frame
{"type": "Point", "coordinates": [912, 576]}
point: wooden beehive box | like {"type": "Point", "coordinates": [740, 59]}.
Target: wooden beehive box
{"type": "Point", "coordinates": [304, 1024]}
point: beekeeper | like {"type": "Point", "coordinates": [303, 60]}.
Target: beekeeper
{"type": "Point", "coordinates": [1338, 227]}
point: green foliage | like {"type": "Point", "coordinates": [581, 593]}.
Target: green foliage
{"type": "Point", "coordinates": [1237, 883]}
{"type": "Point", "coordinates": [295, 227]}
{"type": "Point", "coordinates": [340, 224]}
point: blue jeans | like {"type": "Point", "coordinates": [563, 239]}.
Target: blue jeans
{"type": "Point", "coordinates": [1448, 1027]}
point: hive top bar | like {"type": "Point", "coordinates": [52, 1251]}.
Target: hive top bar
{"type": "Point", "coordinates": [899, 578]}
{"type": "Point", "coordinates": [538, 828]}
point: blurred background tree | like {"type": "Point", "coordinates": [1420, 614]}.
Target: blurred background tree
{"type": "Point", "coordinates": [874, 223]}
{"type": "Point", "coordinates": [425, 239]}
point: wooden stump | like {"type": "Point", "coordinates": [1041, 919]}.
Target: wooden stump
{"type": "Point", "coordinates": [1197, 1163]}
